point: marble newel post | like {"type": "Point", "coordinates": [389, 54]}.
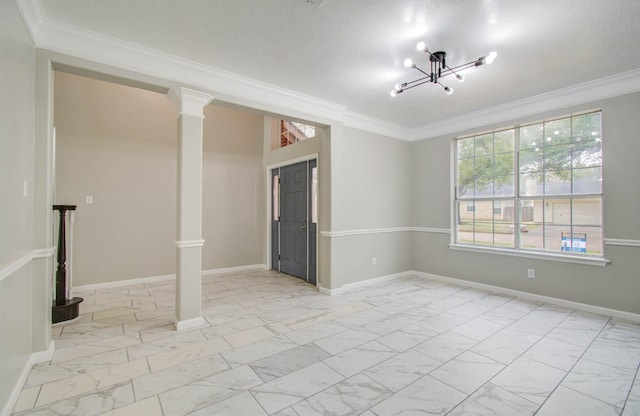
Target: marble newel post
{"type": "Point", "coordinates": [189, 242]}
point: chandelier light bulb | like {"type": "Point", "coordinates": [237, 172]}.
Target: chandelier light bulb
{"type": "Point", "coordinates": [394, 93]}
{"type": "Point", "coordinates": [409, 63]}
{"type": "Point", "coordinates": [448, 90]}
{"type": "Point", "coordinates": [421, 46]}
{"type": "Point", "coordinates": [491, 57]}
{"type": "Point", "coordinates": [397, 87]}
{"type": "Point", "coordinates": [460, 77]}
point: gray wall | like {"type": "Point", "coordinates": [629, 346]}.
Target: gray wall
{"type": "Point", "coordinates": [615, 286]}
{"type": "Point", "coordinates": [17, 111]}
{"type": "Point", "coordinates": [118, 144]}
{"type": "Point", "coordinates": [371, 191]}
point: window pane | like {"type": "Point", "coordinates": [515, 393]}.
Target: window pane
{"type": "Point", "coordinates": [465, 149]}
{"type": "Point", "coordinates": [276, 198]}
{"type": "Point", "coordinates": [503, 223]}
{"type": "Point", "coordinates": [531, 184]}
{"type": "Point", "coordinates": [314, 195]}
{"type": "Point", "coordinates": [503, 141]}
{"type": "Point", "coordinates": [557, 182]}
{"type": "Point", "coordinates": [586, 127]}
{"type": "Point", "coordinates": [531, 220]}
{"type": "Point", "coordinates": [465, 179]}
{"type": "Point", "coordinates": [557, 157]}
{"type": "Point", "coordinates": [466, 217]}
{"type": "Point", "coordinates": [484, 176]}
{"type": "Point", "coordinates": [587, 154]}
{"type": "Point", "coordinates": [531, 136]}
{"type": "Point", "coordinates": [504, 186]}
{"type": "Point", "coordinates": [531, 160]}
{"type": "Point", "coordinates": [484, 144]}
{"type": "Point", "coordinates": [483, 233]}
{"type": "Point", "coordinates": [557, 132]}
{"type": "Point", "coordinates": [503, 164]}
{"type": "Point", "coordinates": [587, 181]}
{"type": "Point", "coordinates": [587, 220]}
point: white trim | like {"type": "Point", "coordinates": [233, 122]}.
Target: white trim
{"type": "Point", "coordinates": [33, 14]}
{"type": "Point", "coordinates": [189, 102]}
{"type": "Point", "coordinates": [630, 316]}
{"type": "Point", "coordinates": [12, 267]}
{"type": "Point", "coordinates": [344, 233]}
{"type": "Point", "coordinates": [591, 261]}
{"type": "Point", "coordinates": [223, 270]}
{"type": "Point", "coordinates": [189, 243]}
{"type": "Point", "coordinates": [621, 242]}
{"type": "Point", "coordinates": [431, 230]}
{"type": "Point", "coordinates": [376, 126]}
{"type": "Point", "coordinates": [34, 358]}
{"type": "Point", "coordinates": [367, 282]}
{"type": "Point", "coordinates": [126, 282]}
{"type": "Point", "coordinates": [15, 265]}
{"type": "Point", "coordinates": [599, 89]}
{"type": "Point", "coordinates": [189, 323]}
{"type": "Point", "coordinates": [162, 278]}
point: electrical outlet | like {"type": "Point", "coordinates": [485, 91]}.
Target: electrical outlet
{"type": "Point", "coordinates": [374, 261]}
{"type": "Point", "coordinates": [531, 273]}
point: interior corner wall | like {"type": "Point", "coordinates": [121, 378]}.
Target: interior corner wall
{"type": "Point", "coordinates": [371, 212]}
{"type": "Point", "coordinates": [17, 112]}
{"type": "Point", "coordinates": [118, 144]}
{"type": "Point", "coordinates": [614, 286]}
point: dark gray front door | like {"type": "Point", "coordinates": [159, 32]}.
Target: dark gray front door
{"type": "Point", "coordinates": [294, 219]}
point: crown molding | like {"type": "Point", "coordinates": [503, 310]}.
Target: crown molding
{"type": "Point", "coordinates": [599, 89]}
{"type": "Point", "coordinates": [229, 87]}
{"type": "Point", "coordinates": [32, 12]}
{"type": "Point", "coordinates": [377, 126]}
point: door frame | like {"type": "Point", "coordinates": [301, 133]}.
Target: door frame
{"type": "Point", "coordinates": [269, 210]}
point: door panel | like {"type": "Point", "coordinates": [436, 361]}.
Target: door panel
{"type": "Point", "coordinates": [293, 220]}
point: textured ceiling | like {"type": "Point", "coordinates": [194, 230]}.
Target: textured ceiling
{"type": "Point", "coordinates": [350, 52]}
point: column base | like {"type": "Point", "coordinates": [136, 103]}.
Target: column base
{"type": "Point", "coordinates": [70, 310]}
{"type": "Point", "coordinates": [189, 323]}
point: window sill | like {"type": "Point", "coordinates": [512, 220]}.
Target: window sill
{"type": "Point", "coordinates": [591, 261]}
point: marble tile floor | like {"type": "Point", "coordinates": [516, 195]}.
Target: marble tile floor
{"type": "Point", "coordinates": [273, 345]}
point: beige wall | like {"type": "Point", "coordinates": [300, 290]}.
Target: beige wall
{"type": "Point", "coordinates": [17, 111]}
{"type": "Point", "coordinates": [118, 144]}
{"type": "Point", "coordinates": [614, 286]}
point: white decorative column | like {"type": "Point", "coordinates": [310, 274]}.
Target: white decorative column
{"type": "Point", "coordinates": [189, 242]}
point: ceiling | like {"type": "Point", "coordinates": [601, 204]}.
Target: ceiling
{"type": "Point", "coordinates": [350, 52]}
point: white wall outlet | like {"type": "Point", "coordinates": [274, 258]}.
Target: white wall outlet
{"type": "Point", "coordinates": [88, 199]}
{"type": "Point", "coordinates": [374, 261]}
{"type": "Point", "coordinates": [531, 273]}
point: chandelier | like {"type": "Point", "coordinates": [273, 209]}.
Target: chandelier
{"type": "Point", "coordinates": [439, 69]}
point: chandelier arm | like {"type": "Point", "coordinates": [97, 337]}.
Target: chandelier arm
{"type": "Point", "coordinates": [410, 83]}
{"type": "Point", "coordinates": [408, 87]}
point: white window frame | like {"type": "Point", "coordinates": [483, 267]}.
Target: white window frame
{"type": "Point", "coordinates": [588, 259]}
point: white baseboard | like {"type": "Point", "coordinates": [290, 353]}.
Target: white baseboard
{"type": "Point", "coordinates": [615, 313]}
{"type": "Point", "coordinates": [234, 269]}
{"type": "Point", "coordinates": [367, 282]}
{"type": "Point", "coordinates": [34, 358]}
{"type": "Point", "coordinates": [189, 323]}
{"type": "Point", "coordinates": [166, 277]}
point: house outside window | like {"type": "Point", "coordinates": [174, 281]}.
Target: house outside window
{"type": "Point", "coordinates": [535, 187]}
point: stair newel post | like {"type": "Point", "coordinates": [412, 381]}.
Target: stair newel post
{"type": "Point", "coordinates": [64, 309]}
{"type": "Point", "coordinates": [61, 271]}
